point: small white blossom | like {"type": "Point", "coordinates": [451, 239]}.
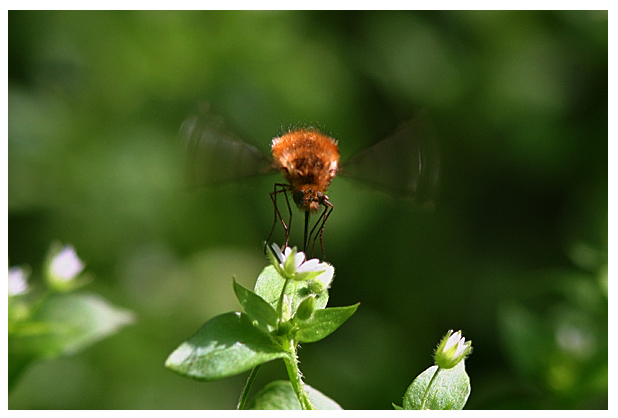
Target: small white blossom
{"type": "Point", "coordinates": [452, 349]}
{"type": "Point", "coordinates": [456, 340]}
{"type": "Point", "coordinates": [66, 265]}
{"type": "Point", "coordinates": [292, 264]}
{"type": "Point", "coordinates": [18, 284]}
{"type": "Point", "coordinates": [325, 278]}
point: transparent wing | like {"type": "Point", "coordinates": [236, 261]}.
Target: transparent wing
{"type": "Point", "coordinates": [214, 155]}
{"type": "Point", "coordinates": [405, 164]}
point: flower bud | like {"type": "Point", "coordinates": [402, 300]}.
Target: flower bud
{"type": "Point", "coordinates": [283, 327]}
{"type": "Point", "coordinates": [18, 281]}
{"type": "Point", "coordinates": [63, 268]}
{"type": "Point", "coordinates": [452, 349]}
{"type": "Point", "coordinates": [306, 308]}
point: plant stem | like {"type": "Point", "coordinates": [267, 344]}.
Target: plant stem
{"type": "Point", "coordinates": [291, 364]}
{"type": "Point", "coordinates": [433, 379]}
{"type": "Point", "coordinates": [291, 361]}
{"type": "Point", "coordinates": [245, 391]}
{"type": "Point", "coordinates": [281, 297]}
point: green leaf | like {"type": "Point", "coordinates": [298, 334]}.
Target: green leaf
{"type": "Point", "coordinates": [281, 396]}
{"type": "Point", "coordinates": [226, 345]}
{"type": "Point", "coordinates": [323, 323]}
{"type": "Point", "coordinates": [270, 283]}
{"type": "Point", "coordinates": [65, 324]}
{"type": "Point", "coordinates": [449, 390]}
{"type": "Point", "coordinates": [257, 308]}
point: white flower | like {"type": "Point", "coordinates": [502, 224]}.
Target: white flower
{"type": "Point", "coordinates": [452, 349]}
{"type": "Point", "coordinates": [456, 340]}
{"type": "Point", "coordinates": [18, 284]}
{"type": "Point", "coordinates": [66, 265]}
{"type": "Point", "coordinates": [323, 281]}
{"type": "Point", "coordinates": [292, 264]}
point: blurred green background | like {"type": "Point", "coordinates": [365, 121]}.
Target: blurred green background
{"type": "Point", "coordinates": [515, 253]}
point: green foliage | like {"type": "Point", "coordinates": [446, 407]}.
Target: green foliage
{"type": "Point", "coordinates": [263, 315]}
{"type": "Point", "coordinates": [52, 324]}
{"type": "Point", "coordinates": [269, 286]}
{"type": "Point", "coordinates": [65, 324]}
{"type": "Point", "coordinates": [438, 388]}
{"type": "Point", "coordinates": [226, 345]}
{"type": "Point", "coordinates": [279, 315]}
{"type": "Point", "coordinates": [569, 336]}
{"type": "Point", "coordinates": [323, 323]}
{"type": "Point", "coordinates": [270, 328]}
{"type": "Point", "coordinates": [280, 395]}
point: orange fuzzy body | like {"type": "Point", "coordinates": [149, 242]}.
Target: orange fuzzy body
{"type": "Point", "coordinates": [309, 161]}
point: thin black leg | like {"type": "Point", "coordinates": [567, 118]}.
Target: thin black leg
{"type": "Point", "coordinates": [281, 188]}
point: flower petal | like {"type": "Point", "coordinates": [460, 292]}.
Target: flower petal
{"type": "Point", "coordinates": [277, 252]}
{"type": "Point", "coordinates": [18, 283]}
{"type": "Point", "coordinates": [66, 264]}
{"type": "Point", "coordinates": [310, 265]}
{"type": "Point", "coordinates": [299, 259]}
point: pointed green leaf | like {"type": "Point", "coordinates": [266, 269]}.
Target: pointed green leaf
{"type": "Point", "coordinates": [257, 308]}
{"type": "Point", "coordinates": [449, 390]}
{"type": "Point", "coordinates": [270, 283]}
{"type": "Point", "coordinates": [226, 345]}
{"type": "Point", "coordinates": [281, 396]}
{"type": "Point", "coordinates": [65, 324]}
{"type": "Point", "coordinates": [323, 323]}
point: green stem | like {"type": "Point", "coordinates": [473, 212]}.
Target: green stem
{"type": "Point", "coordinates": [245, 391]}
{"type": "Point", "coordinates": [433, 379]}
{"type": "Point", "coordinates": [291, 361]}
{"type": "Point", "coordinates": [281, 297]}
{"type": "Point", "coordinates": [291, 364]}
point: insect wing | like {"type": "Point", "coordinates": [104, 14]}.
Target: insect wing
{"type": "Point", "coordinates": [215, 155]}
{"type": "Point", "coordinates": [405, 164]}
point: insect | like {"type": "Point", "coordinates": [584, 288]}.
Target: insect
{"type": "Point", "coordinates": [308, 159]}
{"type": "Point", "coordinates": [406, 164]}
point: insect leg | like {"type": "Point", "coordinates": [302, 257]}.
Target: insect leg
{"type": "Point", "coordinates": [281, 188]}
{"type": "Point", "coordinates": [328, 208]}
{"type": "Point", "coordinates": [306, 238]}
